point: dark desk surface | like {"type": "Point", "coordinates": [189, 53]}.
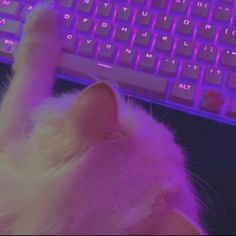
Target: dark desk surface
{"type": "Point", "coordinates": [211, 149]}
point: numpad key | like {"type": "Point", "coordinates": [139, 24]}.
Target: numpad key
{"type": "Point", "coordinates": [177, 53]}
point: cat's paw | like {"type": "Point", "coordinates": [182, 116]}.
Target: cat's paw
{"type": "Point", "coordinates": [43, 23]}
{"type": "Point", "coordinates": [42, 34]}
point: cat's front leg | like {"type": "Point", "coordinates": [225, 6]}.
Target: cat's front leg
{"type": "Point", "coordinates": [34, 67]}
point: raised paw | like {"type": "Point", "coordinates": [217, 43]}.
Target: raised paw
{"type": "Point", "coordinates": [41, 42]}
{"type": "Point", "coordinates": [43, 20]}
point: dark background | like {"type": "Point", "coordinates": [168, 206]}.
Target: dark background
{"type": "Point", "coordinates": [211, 149]}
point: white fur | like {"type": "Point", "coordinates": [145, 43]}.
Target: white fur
{"type": "Point", "coordinates": [53, 182]}
{"type": "Point", "coordinates": [128, 176]}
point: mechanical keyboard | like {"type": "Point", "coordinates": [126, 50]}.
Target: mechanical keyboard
{"type": "Point", "coordinates": [177, 53]}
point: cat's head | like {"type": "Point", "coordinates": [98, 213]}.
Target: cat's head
{"type": "Point", "coordinates": [104, 166]}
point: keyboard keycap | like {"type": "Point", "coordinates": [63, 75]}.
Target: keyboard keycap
{"type": "Point", "coordinates": [185, 26]}
{"type": "Point", "coordinates": [25, 11]}
{"type": "Point", "coordinates": [164, 22]}
{"type": "Point", "coordinates": [87, 47]}
{"type": "Point", "coordinates": [84, 25]}
{"type": "Point", "coordinates": [67, 20]}
{"type": "Point", "coordinates": [7, 47]}
{"type": "Point", "coordinates": [70, 42]}
{"type": "Point", "coordinates": [212, 100]}
{"type": "Point", "coordinates": [143, 38]}
{"type": "Point", "coordinates": [207, 31]}
{"type": "Point", "coordinates": [222, 13]}
{"type": "Point", "coordinates": [201, 9]}
{"type": "Point", "coordinates": [179, 6]}
{"type": "Point", "coordinates": [104, 9]}
{"type": "Point", "coordinates": [147, 62]}
{"type": "Point", "coordinates": [190, 71]}
{"type": "Point", "coordinates": [214, 76]}
{"type": "Point", "coordinates": [148, 85]}
{"type": "Point", "coordinates": [232, 108]}
{"type": "Point", "coordinates": [163, 43]}
{"type": "Point", "coordinates": [103, 29]}
{"type": "Point", "coordinates": [159, 4]}
{"type": "Point", "coordinates": [10, 8]}
{"type": "Point", "coordinates": [138, 1]}
{"type": "Point", "coordinates": [231, 82]}
{"type": "Point", "coordinates": [107, 52]}
{"type": "Point", "coordinates": [124, 13]}
{"type": "Point", "coordinates": [143, 17]}
{"type": "Point", "coordinates": [184, 48]}
{"type": "Point", "coordinates": [86, 6]}
{"type": "Point", "coordinates": [182, 93]}
{"type": "Point", "coordinates": [123, 33]}
{"type": "Point", "coordinates": [228, 36]}
{"type": "Point", "coordinates": [207, 53]}
{"type": "Point", "coordinates": [10, 27]}
{"type": "Point", "coordinates": [168, 67]}
{"type": "Point", "coordinates": [127, 57]}
{"type": "Point", "coordinates": [228, 58]}
{"type": "Point", "coordinates": [66, 3]}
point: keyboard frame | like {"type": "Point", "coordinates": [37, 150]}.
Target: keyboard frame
{"type": "Point", "coordinates": [194, 110]}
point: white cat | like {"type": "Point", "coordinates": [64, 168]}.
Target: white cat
{"type": "Point", "coordinates": [84, 163]}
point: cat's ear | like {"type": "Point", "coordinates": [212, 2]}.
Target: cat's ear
{"type": "Point", "coordinates": [176, 223]}
{"type": "Point", "coordinates": [95, 112]}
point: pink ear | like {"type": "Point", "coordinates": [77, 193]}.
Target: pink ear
{"type": "Point", "coordinates": [176, 223]}
{"type": "Point", "coordinates": [95, 112]}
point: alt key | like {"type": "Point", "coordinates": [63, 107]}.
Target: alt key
{"type": "Point", "coordinates": [182, 93]}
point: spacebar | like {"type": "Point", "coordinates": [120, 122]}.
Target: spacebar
{"type": "Point", "coordinates": [144, 84]}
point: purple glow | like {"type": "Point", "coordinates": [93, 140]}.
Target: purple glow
{"type": "Point", "coordinates": [209, 13]}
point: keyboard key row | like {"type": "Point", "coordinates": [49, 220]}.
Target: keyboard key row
{"type": "Point", "coordinates": [129, 79]}
{"type": "Point", "coordinates": [181, 92]}
{"type": "Point", "coordinates": [184, 48]}
{"type": "Point", "coordinates": [124, 13]}
{"type": "Point", "coordinates": [185, 27]}
{"type": "Point", "coordinates": [148, 63]}
{"type": "Point", "coordinates": [123, 33]}
{"type": "Point", "coordinates": [211, 100]}
{"type": "Point", "coordinates": [199, 9]}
